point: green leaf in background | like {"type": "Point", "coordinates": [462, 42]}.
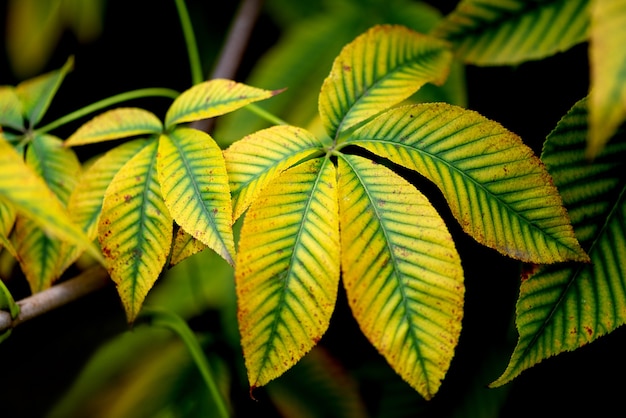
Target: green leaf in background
{"type": "Point", "coordinates": [497, 189]}
{"type": "Point", "coordinates": [118, 123]}
{"type": "Point", "coordinates": [40, 255]}
{"type": "Point", "coordinates": [287, 269]}
{"type": "Point", "coordinates": [135, 229]}
{"type": "Point", "coordinates": [36, 93]}
{"type": "Point", "coordinates": [564, 307]}
{"type": "Point", "coordinates": [506, 32]}
{"type": "Point", "coordinates": [377, 70]}
{"type": "Point", "coordinates": [257, 159]}
{"type": "Point", "coordinates": [402, 273]}
{"type": "Point", "coordinates": [213, 98]}
{"type": "Point", "coordinates": [607, 98]}
{"type": "Point", "coordinates": [11, 114]}
{"type": "Point", "coordinates": [194, 183]}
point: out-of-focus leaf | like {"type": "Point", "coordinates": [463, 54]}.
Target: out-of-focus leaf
{"type": "Point", "coordinates": [607, 102]}
{"type": "Point", "coordinates": [213, 98]}
{"type": "Point", "coordinates": [115, 124]}
{"type": "Point", "coordinates": [135, 229]}
{"type": "Point", "coordinates": [11, 114]}
{"type": "Point", "coordinates": [287, 269]}
{"type": "Point", "coordinates": [564, 307]}
{"type": "Point", "coordinates": [317, 387]}
{"type": "Point", "coordinates": [39, 254]}
{"type": "Point", "coordinates": [7, 303]}
{"type": "Point", "coordinates": [505, 32]}
{"type": "Point", "coordinates": [194, 184]}
{"type": "Point", "coordinates": [402, 273]}
{"type": "Point", "coordinates": [257, 159]}
{"type": "Point", "coordinates": [377, 70]}
{"type": "Point", "coordinates": [32, 198]}
{"type": "Point", "coordinates": [36, 93]}
{"type": "Point", "coordinates": [498, 190]}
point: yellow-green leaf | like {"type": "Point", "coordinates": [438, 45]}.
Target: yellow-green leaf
{"type": "Point", "coordinates": [10, 109]}
{"type": "Point", "coordinates": [287, 269]}
{"type": "Point", "coordinates": [608, 72]}
{"type": "Point", "coordinates": [85, 202]}
{"type": "Point", "coordinates": [37, 93]}
{"type": "Point", "coordinates": [402, 273]}
{"type": "Point", "coordinates": [7, 220]}
{"type": "Point", "coordinates": [377, 70]}
{"type": "Point", "coordinates": [115, 124]}
{"type": "Point", "coordinates": [503, 32]}
{"type": "Point", "coordinates": [135, 229]}
{"type": "Point", "coordinates": [194, 183]}
{"type": "Point", "coordinates": [498, 190]}
{"type": "Point", "coordinates": [213, 98]}
{"type": "Point", "coordinates": [39, 254]}
{"type": "Point", "coordinates": [258, 158]}
{"type": "Point", "coordinates": [564, 307]}
{"type": "Point", "coordinates": [184, 246]}
{"type": "Point", "coordinates": [32, 197]}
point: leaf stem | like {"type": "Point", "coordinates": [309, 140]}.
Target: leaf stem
{"type": "Point", "coordinates": [175, 323]}
{"type": "Point", "coordinates": [259, 111]}
{"type": "Point", "coordinates": [190, 41]}
{"type": "Point", "coordinates": [109, 101]}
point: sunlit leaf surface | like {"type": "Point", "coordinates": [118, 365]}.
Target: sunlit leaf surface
{"type": "Point", "coordinates": [564, 307]}
{"type": "Point", "coordinates": [118, 123]}
{"type": "Point", "coordinates": [194, 183]}
{"type": "Point", "coordinates": [287, 269]}
{"type": "Point", "coordinates": [213, 98]}
{"type": "Point", "coordinates": [379, 69]}
{"type": "Point", "coordinates": [257, 159]}
{"type": "Point", "coordinates": [135, 229]}
{"type": "Point", "coordinates": [401, 271]}
{"type": "Point", "coordinates": [498, 190]}
{"type": "Point", "coordinates": [503, 32]}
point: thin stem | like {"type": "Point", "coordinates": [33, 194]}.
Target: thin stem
{"type": "Point", "coordinates": [190, 41]}
{"type": "Point", "coordinates": [109, 101]}
{"type": "Point", "coordinates": [175, 323]}
{"type": "Point", "coordinates": [259, 111]}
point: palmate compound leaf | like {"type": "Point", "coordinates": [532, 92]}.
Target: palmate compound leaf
{"type": "Point", "coordinates": [498, 190]}
{"type": "Point", "coordinates": [254, 161]}
{"type": "Point", "coordinates": [194, 183]}
{"type": "Point", "coordinates": [118, 123]}
{"type": "Point", "coordinates": [31, 197]}
{"type": "Point", "coordinates": [40, 255]}
{"type": "Point", "coordinates": [607, 108]}
{"type": "Point", "coordinates": [135, 229]}
{"type": "Point", "coordinates": [502, 32]}
{"type": "Point", "coordinates": [213, 98]}
{"type": "Point", "coordinates": [401, 271]}
{"type": "Point", "coordinates": [377, 70]}
{"type": "Point", "coordinates": [563, 307]}
{"type": "Point", "coordinates": [287, 269]}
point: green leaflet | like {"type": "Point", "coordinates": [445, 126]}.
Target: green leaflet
{"type": "Point", "coordinates": [39, 254]}
{"type": "Point", "coordinates": [500, 193]}
{"type": "Point", "coordinates": [607, 108]}
{"type": "Point", "coordinates": [135, 229]}
{"type": "Point", "coordinates": [194, 183]}
{"type": "Point", "coordinates": [564, 307]}
{"type": "Point", "coordinates": [401, 271]}
{"type": "Point", "coordinates": [10, 109]}
{"type": "Point", "coordinates": [258, 158]}
{"type": "Point", "coordinates": [377, 70]}
{"type": "Point", "coordinates": [503, 32]}
{"type": "Point", "coordinates": [287, 269]}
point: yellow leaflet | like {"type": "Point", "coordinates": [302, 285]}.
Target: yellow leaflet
{"type": "Point", "coordinates": [287, 269]}
{"type": "Point", "coordinates": [194, 183]}
{"type": "Point", "coordinates": [118, 123]}
{"type": "Point", "coordinates": [213, 98]}
{"type": "Point", "coordinates": [258, 158]}
{"type": "Point", "coordinates": [135, 229]}
{"type": "Point", "coordinates": [184, 246]}
{"type": "Point", "coordinates": [7, 220]}
{"type": "Point", "coordinates": [401, 271]}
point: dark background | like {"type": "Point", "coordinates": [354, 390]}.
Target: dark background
{"type": "Point", "coordinates": [42, 357]}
